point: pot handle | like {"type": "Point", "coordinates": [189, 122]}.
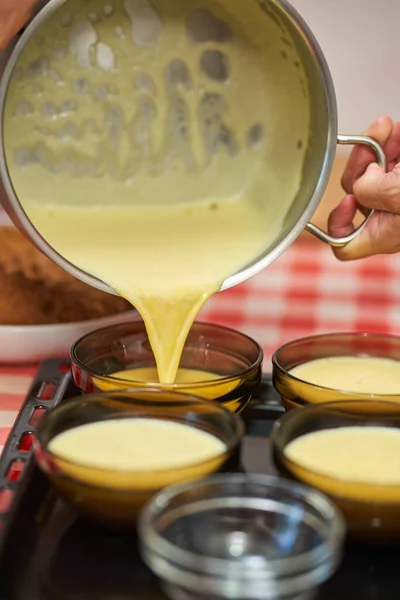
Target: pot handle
{"type": "Point", "coordinates": [342, 241]}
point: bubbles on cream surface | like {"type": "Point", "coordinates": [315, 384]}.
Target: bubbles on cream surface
{"type": "Point", "coordinates": [146, 24]}
{"type": "Point", "coordinates": [105, 57]}
{"type": "Point", "coordinates": [82, 38]}
{"type": "Point", "coordinates": [213, 91]}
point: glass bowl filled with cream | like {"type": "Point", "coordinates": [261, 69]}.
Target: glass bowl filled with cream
{"type": "Point", "coordinates": [217, 363]}
{"type": "Point", "coordinates": [241, 537]}
{"type": "Point", "coordinates": [338, 366]}
{"type": "Point", "coordinates": [350, 451]}
{"type": "Point", "coordinates": [107, 454]}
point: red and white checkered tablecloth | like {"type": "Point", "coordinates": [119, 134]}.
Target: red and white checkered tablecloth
{"type": "Point", "coordinates": [308, 291]}
{"type": "Point", "coordinates": [14, 386]}
{"type": "Point", "coordinates": [305, 291]}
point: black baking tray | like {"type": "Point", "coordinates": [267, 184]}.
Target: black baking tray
{"type": "Point", "coordinates": [48, 553]}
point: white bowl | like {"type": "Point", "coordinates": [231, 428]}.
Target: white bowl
{"type": "Point", "coordinates": [23, 344]}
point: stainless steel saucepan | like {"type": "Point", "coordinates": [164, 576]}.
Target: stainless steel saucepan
{"type": "Point", "coordinates": [296, 133]}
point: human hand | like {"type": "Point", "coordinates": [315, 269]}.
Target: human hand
{"type": "Point", "coordinates": [369, 187]}
{"type": "Point", "coordinates": [13, 16]}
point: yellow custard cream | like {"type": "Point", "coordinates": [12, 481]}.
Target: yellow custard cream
{"type": "Point", "coordinates": [368, 454]}
{"type": "Point", "coordinates": [137, 445]}
{"type": "Point", "coordinates": [167, 262]}
{"type": "Point", "coordinates": [150, 144]}
{"type": "Point", "coordinates": [150, 374]}
{"type": "Point", "coordinates": [365, 375]}
{"type": "Point", "coordinates": [203, 384]}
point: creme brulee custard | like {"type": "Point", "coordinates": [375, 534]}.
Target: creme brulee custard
{"type": "Point", "coordinates": [153, 145]}
{"type": "Point", "coordinates": [183, 376]}
{"type": "Point", "coordinates": [136, 445]}
{"type": "Point", "coordinates": [150, 374]}
{"type": "Point", "coordinates": [364, 375]}
{"type": "Point", "coordinates": [364, 454]}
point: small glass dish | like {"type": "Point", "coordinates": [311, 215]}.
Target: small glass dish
{"type": "Point", "coordinates": [241, 537]}
{"type": "Point", "coordinates": [116, 496]}
{"type": "Point", "coordinates": [296, 392]}
{"type": "Point", "coordinates": [372, 511]}
{"type": "Point", "coordinates": [233, 360]}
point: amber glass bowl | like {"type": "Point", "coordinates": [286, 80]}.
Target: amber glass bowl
{"type": "Point", "coordinates": [295, 392]}
{"type": "Point", "coordinates": [372, 511]}
{"type": "Point", "coordinates": [234, 359]}
{"type": "Point", "coordinates": [116, 496]}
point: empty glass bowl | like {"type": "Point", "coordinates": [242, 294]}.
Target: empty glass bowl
{"type": "Point", "coordinates": [116, 495]}
{"type": "Point", "coordinates": [296, 392]}
{"type": "Point", "coordinates": [241, 537]}
{"type": "Point", "coordinates": [372, 511]}
{"type": "Point", "coordinates": [232, 359]}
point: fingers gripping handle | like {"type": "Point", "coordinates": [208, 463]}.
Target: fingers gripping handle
{"type": "Point", "coordinates": [381, 159]}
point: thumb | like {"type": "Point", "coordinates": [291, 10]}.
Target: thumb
{"type": "Point", "coordinates": [340, 222]}
{"type": "Point", "coordinates": [381, 235]}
